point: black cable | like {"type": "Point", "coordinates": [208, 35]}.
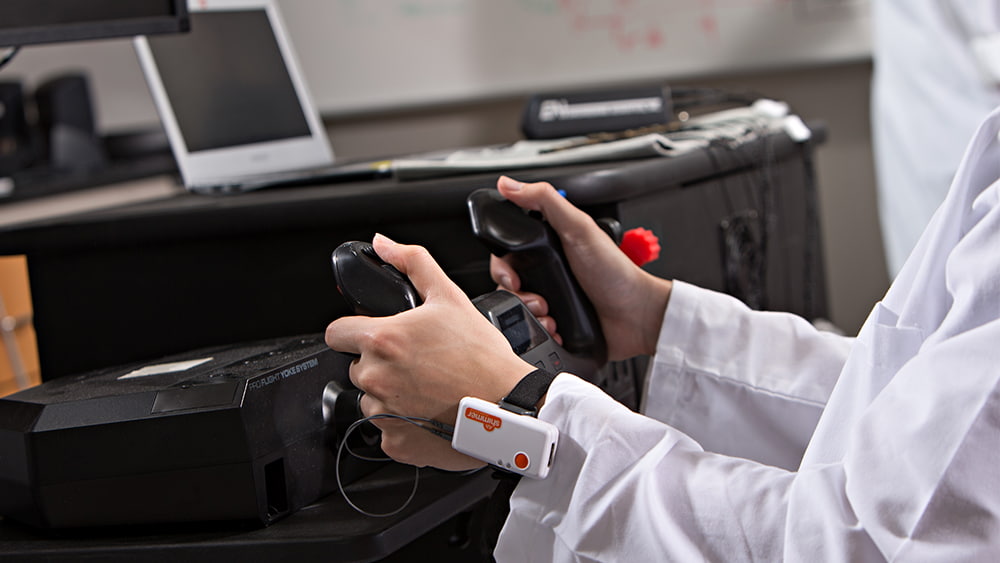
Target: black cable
{"type": "Point", "coordinates": [340, 484]}
{"type": "Point", "coordinates": [685, 98]}
{"type": "Point", "coordinates": [439, 429]}
{"type": "Point", "coordinates": [745, 255]}
{"type": "Point", "coordinates": [815, 299]}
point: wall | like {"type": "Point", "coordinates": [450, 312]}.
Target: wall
{"type": "Point", "coordinates": [833, 87]}
{"type": "Point", "coordinates": [368, 56]}
{"type": "Point", "coordinates": [835, 94]}
{"type": "Point", "coordinates": [427, 51]}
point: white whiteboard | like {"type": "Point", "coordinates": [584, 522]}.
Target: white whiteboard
{"type": "Point", "coordinates": [371, 54]}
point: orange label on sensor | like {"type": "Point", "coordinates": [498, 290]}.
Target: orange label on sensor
{"type": "Point", "coordinates": [489, 421]}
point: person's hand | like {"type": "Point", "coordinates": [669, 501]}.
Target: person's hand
{"type": "Point", "coordinates": [421, 362]}
{"type": "Point", "coordinates": [630, 302]}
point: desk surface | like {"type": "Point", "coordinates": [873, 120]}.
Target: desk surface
{"type": "Point", "coordinates": [172, 215]}
{"type": "Point", "coordinates": [328, 530]}
{"type": "Point", "coordinates": [150, 278]}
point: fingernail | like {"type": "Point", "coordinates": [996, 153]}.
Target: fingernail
{"type": "Point", "coordinates": [383, 237]}
{"type": "Point", "coordinates": [535, 306]}
{"type": "Point", "coordinates": [512, 184]}
{"type": "Point", "coordinates": [505, 281]}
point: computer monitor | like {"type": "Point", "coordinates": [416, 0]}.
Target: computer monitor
{"type": "Point", "coordinates": [28, 22]}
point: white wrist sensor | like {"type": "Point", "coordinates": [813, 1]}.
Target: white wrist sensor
{"type": "Point", "coordinates": [514, 442]}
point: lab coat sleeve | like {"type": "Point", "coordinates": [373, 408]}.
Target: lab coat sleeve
{"type": "Point", "coordinates": [902, 467]}
{"type": "Point", "coordinates": [625, 487]}
{"type": "Point", "coordinates": [917, 482]}
{"type": "Point", "coordinates": [909, 472]}
{"type": "Point", "coordinates": [741, 382]}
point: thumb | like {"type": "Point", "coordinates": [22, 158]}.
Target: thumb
{"type": "Point", "coordinates": [416, 263]}
{"type": "Point", "coordinates": [567, 219]}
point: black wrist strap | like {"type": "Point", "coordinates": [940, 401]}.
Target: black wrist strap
{"type": "Point", "coordinates": [523, 399]}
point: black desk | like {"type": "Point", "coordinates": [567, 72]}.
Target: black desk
{"type": "Point", "coordinates": [328, 530]}
{"type": "Point", "coordinates": [152, 279]}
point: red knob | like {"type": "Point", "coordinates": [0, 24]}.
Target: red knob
{"type": "Point", "coordinates": [640, 245]}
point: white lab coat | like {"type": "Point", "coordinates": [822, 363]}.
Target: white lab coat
{"type": "Point", "coordinates": [903, 464]}
{"type": "Point", "coordinates": [928, 96]}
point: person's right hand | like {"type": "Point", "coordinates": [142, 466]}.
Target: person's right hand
{"type": "Point", "coordinates": [630, 302]}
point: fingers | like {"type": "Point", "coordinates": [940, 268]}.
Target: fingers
{"type": "Point", "coordinates": [345, 334]}
{"type": "Point", "coordinates": [418, 447]}
{"type": "Point", "coordinates": [417, 264]}
{"type": "Point", "coordinates": [409, 363]}
{"type": "Point", "coordinates": [507, 279]}
{"type": "Point", "coordinates": [503, 273]}
{"type": "Point", "coordinates": [371, 406]}
{"type": "Point", "coordinates": [355, 334]}
{"type": "Point", "coordinates": [406, 443]}
{"type": "Point", "coordinates": [565, 218]}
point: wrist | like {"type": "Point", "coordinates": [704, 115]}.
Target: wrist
{"type": "Point", "coordinates": [507, 378]}
{"type": "Point", "coordinates": [527, 396]}
{"type": "Point", "coordinates": [658, 300]}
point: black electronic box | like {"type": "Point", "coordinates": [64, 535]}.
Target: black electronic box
{"type": "Point", "coordinates": [224, 433]}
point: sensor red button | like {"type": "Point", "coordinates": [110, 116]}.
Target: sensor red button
{"type": "Point", "coordinates": [521, 460]}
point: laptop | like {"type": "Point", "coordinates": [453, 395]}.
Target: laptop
{"type": "Point", "coordinates": [234, 102]}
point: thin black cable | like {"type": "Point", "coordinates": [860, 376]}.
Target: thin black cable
{"type": "Point", "coordinates": [684, 98]}
{"type": "Point", "coordinates": [439, 429]}
{"type": "Point", "coordinates": [774, 211]}
{"type": "Point", "coordinates": [740, 260]}
{"type": "Point", "coordinates": [812, 293]}
{"type": "Point", "coordinates": [340, 485]}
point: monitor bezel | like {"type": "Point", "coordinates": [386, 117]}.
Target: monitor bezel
{"type": "Point", "coordinates": [234, 166]}
{"type": "Point", "coordinates": [177, 22]}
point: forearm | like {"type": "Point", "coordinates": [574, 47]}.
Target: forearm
{"type": "Point", "coordinates": [632, 328]}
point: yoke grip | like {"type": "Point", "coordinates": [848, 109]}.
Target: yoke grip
{"type": "Point", "coordinates": [537, 256]}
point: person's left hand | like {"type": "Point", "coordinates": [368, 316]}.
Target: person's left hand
{"type": "Point", "coordinates": [421, 362]}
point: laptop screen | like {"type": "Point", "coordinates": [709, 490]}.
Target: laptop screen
{"type": "Point", "coordinates": [227, 82]}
